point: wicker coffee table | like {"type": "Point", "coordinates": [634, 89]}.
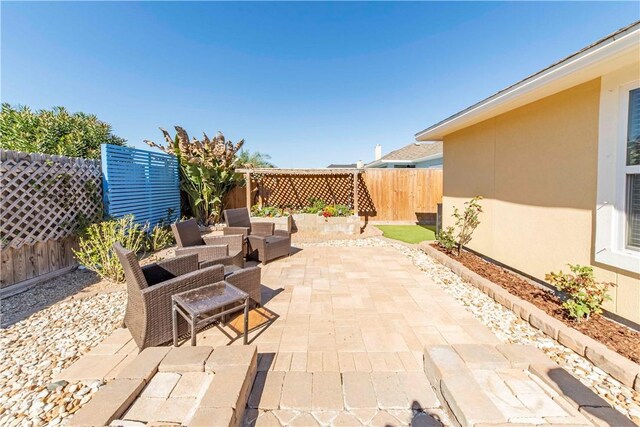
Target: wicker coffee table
{"type": "Point", "coordinates": [204, 305]}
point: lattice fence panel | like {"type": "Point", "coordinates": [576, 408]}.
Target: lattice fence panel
{"type": "Point", "coordinates": [43, 196]}
{"type": "Point", "coordinates": [295, 191]}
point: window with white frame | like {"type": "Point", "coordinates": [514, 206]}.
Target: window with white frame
{"type": "Point", "coordinates": [632, 173]}
{"type": "Point", "coordinates": [617, 239]}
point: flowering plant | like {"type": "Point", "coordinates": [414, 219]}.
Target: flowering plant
{"type": "Point", "coordinates": [207, 170]}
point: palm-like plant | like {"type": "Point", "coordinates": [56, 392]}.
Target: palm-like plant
{"type": "Point", "coordinates": [256, 159]}
{"type": "Point", "coordinates": [207, 169]}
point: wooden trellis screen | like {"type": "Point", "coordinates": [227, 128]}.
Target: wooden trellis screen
{"type": "Point", "coordinates": [296, 191]}
{"type": "Point", "coordinates": [383, 194]}
{"type": "Point", "coordinates": [42, 199]}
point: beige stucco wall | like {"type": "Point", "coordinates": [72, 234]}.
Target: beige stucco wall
{"type": "Point", "coordinates": [536, 167]}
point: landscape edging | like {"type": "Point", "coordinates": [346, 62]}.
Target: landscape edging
{"type": "Point", "coordinates": [616, 365]}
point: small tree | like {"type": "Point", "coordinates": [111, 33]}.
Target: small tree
{"type": "Point", "coordinates": [207, 170]}
{"type": "Point", "coordinates": [55, 131]}
{"type": "Point", "coordinates": [466, 222]}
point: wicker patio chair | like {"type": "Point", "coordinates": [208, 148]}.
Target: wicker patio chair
{"type": "Point", "coordinates": [265, 242]}
{"type": "Point", "coordinates": [248, 280]}
{"type": "Point", "coordinates": [149, 291]}
{"type": "Point", "coordinates": [225, 250]}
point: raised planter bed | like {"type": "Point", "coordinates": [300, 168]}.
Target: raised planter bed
{"type": "Point", "coordinates": [316, 224]}
{"type": "Point", "coordinates": [624, 340]}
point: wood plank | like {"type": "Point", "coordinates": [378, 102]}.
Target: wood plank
{"type": "Point", "coordinates": [19, 269]}
{"type": "Point", "coordinates": [54, 259]}
{"type": "Point", "coordinates": [31, 269]}
{"type": "Point", "coordinates": [6, 268]}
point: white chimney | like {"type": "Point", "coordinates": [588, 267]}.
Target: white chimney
{"type": "Point", "coordinates": [360, 164]}
{"type": "Point", "coordinates": [378, 152]}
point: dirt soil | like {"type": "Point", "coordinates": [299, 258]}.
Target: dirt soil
{"type": "Point", "coordinates": [620, 338]}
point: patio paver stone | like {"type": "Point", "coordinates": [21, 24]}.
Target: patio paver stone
{"type": "Point", "coordinates": [185, 359]}
{"type": "Point", "coordinates": [145, 365]}
{"type": "Point", "coordinates": [108, 403]}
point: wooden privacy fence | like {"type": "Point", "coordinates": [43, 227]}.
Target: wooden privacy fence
{"type": "Point", "coordinates": [143, 183]}
{"type": "Point", "coordinates": [382, 194]}
{"type": "Point", "coordinates": [43, 198]}
{"type": "Point", "coordinates": [403, 194]}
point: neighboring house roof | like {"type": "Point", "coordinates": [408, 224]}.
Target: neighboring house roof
{"type": "Point", "coordinates": [413, 153]}
{"type": "Point", "coordinates": [615, 50]}
{"type": "Point", "coordinates": [341, 166]}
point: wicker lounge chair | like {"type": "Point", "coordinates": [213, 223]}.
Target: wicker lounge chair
{"type": "Point", "coordinates": [225, 250]}
{"type": "Point", "coordinates": [149, 290]}
{"type": "Point", "coordinates": [248, 280]}
{"type": "Point", "coordinates": [265, 242]}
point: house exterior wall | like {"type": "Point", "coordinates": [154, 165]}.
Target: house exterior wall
{"type": "Point", "coordinates": [536, 167]}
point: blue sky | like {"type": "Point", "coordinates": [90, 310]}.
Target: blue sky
{"type": "Point", "coordinates": [308, 83]}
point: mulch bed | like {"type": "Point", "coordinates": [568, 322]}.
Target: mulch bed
{"type": "Point", "coordinates": [615, 336]}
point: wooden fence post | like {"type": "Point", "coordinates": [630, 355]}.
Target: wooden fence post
{"type": "Point", "coordinates": [355, 193]}
{"type": "Point", "coordinates": [247, 178]}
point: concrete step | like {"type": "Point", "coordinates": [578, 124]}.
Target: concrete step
{"type": "Point", "coordinates": [509, 384]}
{"type": "Point", "coordinates": [191, 386]}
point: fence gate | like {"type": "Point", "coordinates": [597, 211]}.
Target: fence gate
{"type": "Point", "coordinates": [140, 182]}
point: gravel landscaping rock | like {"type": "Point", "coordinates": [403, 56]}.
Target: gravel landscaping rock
{"type": "Point", "coordinates": [509, 327]}
{"type": "Point", "coordinates": [43, 344]}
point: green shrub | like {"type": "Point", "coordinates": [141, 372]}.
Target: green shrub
{"type": "Point", "coordinates": [268, 211]}
{"type": "Point", "coordinates": [55, 131]}
{"type": "Point", "coordinates": [465, 224]}
{"type": "Point", "coordinates": [160, 237]}
{"type": "Point", "coordinates": [447, 239]}
{"type": "Point", "coordinates": [316, 206]}
{"type": "Point", "coordinates": [96, 245]}
{"type": "Point", "coordinates": [584, 296]}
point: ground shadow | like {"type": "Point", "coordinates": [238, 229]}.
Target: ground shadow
{"type": "Point", "coordinates": [591, 405]}
{"type": "Point", "coordinates": [18, 307]}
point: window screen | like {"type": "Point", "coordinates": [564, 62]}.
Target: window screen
{"type": "Point", "coordinates": [633, 211]}
{"type": "Point", "coordinates": [633, 178]}
{"type": "Point", "coordinates": [633, 133]}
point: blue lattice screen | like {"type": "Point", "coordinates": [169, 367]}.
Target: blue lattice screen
{"type": "Point", "coordinates": [140, 182]}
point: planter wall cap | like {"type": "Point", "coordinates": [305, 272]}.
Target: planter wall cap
{"type": "Point", "coordinates": [547, 324]}
{"type": "Point", "coordinates": [523, 308]}
{"type": "Point", "coordinates": [618, 366]}
{"type": "Point", "coordinates": [504, 298]}
{"type": "Point", "coordinates": [577, 341]}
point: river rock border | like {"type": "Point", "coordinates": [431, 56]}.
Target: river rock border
{"type": "Point", "coordinates": [616, 365]}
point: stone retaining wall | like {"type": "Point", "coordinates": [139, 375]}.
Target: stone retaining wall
{"type": "Point", "coordinates": [315, 224]}
{"type": "Point", "coordinates": [616, 365]}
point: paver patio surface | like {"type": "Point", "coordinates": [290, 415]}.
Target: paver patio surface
{"type": "Point", "coordinates": [349, 340]}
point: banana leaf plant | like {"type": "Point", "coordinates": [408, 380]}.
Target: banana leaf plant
{"type": "Point", "coordinates": [207, 170]}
